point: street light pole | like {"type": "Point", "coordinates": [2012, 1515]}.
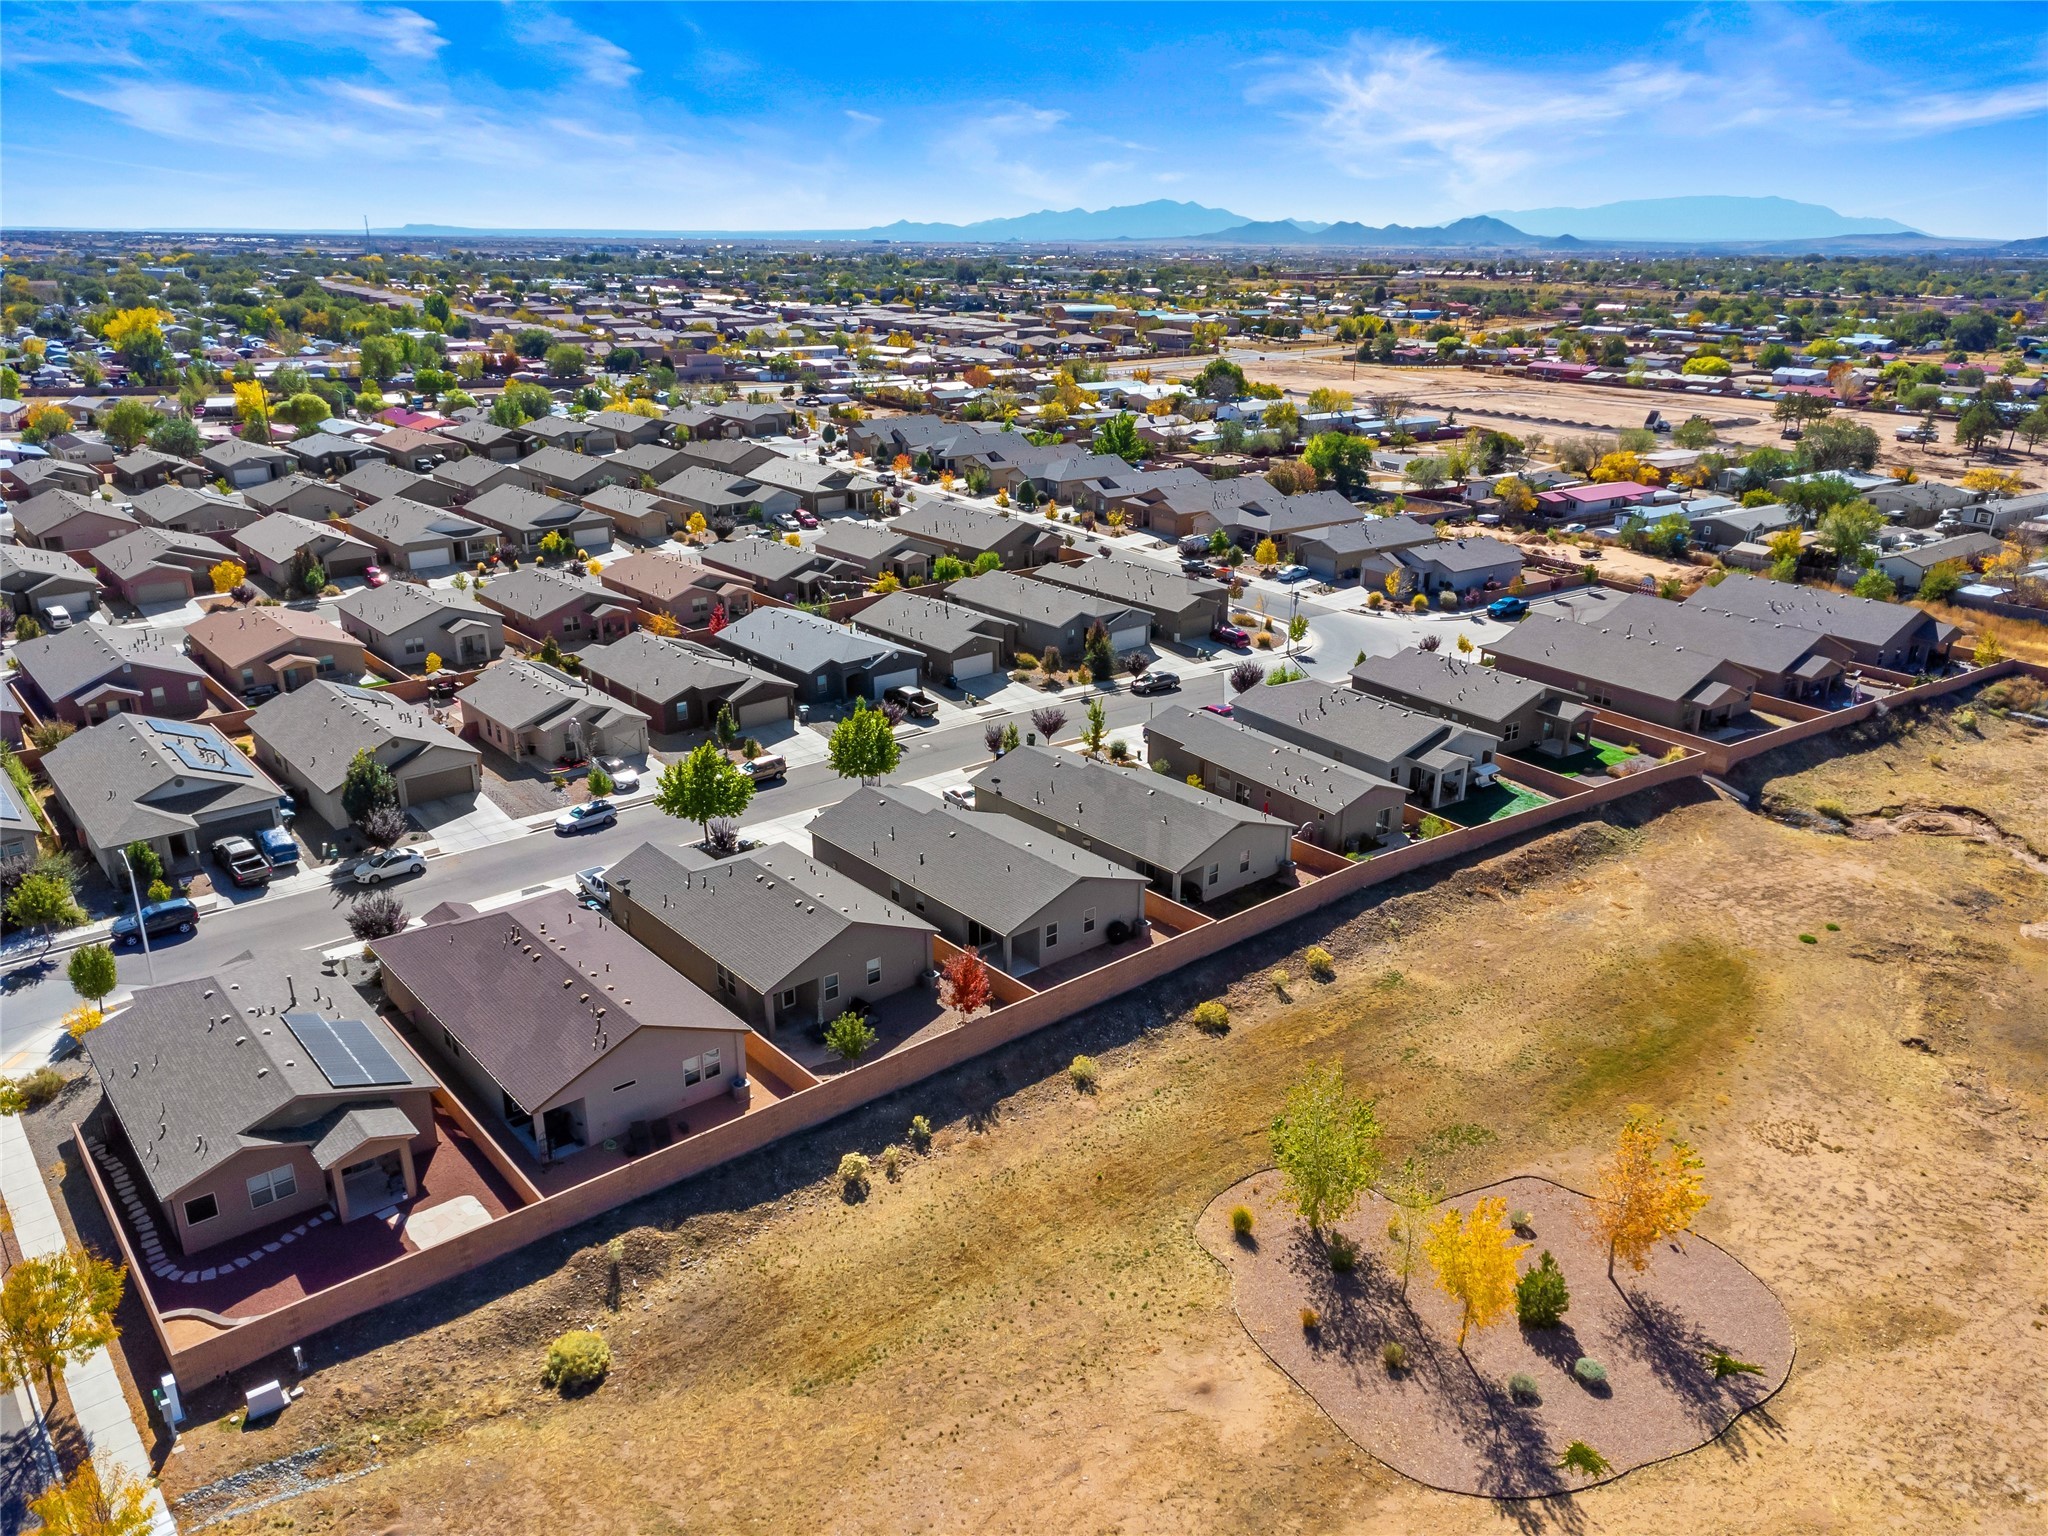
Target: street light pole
{"type": "Point", "coordinates": [141, 927]}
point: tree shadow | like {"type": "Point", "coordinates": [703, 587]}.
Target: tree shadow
{"type": "Point", "coordinates": [1558, 1346]}
{"type": "Point", "coordinates": [1676, 1351]}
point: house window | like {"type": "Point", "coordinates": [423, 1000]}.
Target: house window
{"type": "Point", "coordinates": [415, 647]}
{"type": "Point", "coordinates": [1052, 935]}
{"type": "Point", "coordinates": [1244, 862]}
{"type": "Point", "coordinates": [874, 973]}
{"type": "Point", "coordinates": [156, 695]}
{"type": "Point", "coordinates": [1511, 732]}
{"type": "Point", "coordinates": [1214, 871]}
{"type": "Point", "coordinates": [726, 984]}
{"type": "Point", "coordinates": [453, 1045]}
{"type": "Point", "coordinates": [571, 624]}
{"type": "Point", "coordinates": [1088, 920]}
{"type": "Point", "coordinates": [192, 689]}
{"type": "Point", "coordinates": [203, 1209]}
{"type": "Point", "coordinates": [710, 1065]}
{"type": "Point", "coordinates": [248, 676]}
{"type": "Point", "coordinates": [789, 997]}
{"type": "Point", "coordinates": [831, 986]}
{"type": "Point", "coordinates": [1385, 821]}
{"type": "Point", "coordinates": [277, 1184]}
{"type": "Point", "coordinates": [693, 1070]}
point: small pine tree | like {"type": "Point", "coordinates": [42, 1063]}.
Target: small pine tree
{"type": "Point", "coordinates": [1541, 1296]}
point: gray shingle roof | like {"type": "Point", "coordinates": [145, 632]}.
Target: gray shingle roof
{"type": "Point", "coordinates": [133, 554]}
{"type": "Point", "coordinates": [282, 535]}
{"type": "Point", "coordinates": [1149, 816]}
{"type": "Point", "coordinates": [319, 728]}
{"type": "Point", "coordinates": [1603, 652]}
{"type": "Point", "coordinates": [104, 774]}
{"type": "Point", "coordinates": [1256, 758]}
{"type": "Point", "coordinates": [64, 664]}
{"type": "Point", "coordinates": [992, 868]}
{"type": "Point", "coordinates": [169, 502]}
{"type": "Point", "coordinates": [965, 527]}
{"type": "Point", "coordinates": [536, 592]}
{"type": "Point", "coordinates": [804, 642]}
{"type": "Point", "coordinates": [1374, 729]}
{"type": "Point", "coordinates": [1433, 681]}
{"type": "Point", "coordinates": [761, 915]}
{"type": "Point", "coordinates": [857, 541]}
{"type": "Point", "coordinates": [1473, 554]}
{"type": "Point", "coordinates": [1369, 535]}
{"type": "Point", "coordinates": [33, 572]}
{"type": "Point", "coordinates": [53, 509]}
{"type": "Point", "coordinates": [1011, 596]}
{"type": "Point", "coordinates": [762, 559]}
{"type": "Point", "coordinates": [357, 1128]}
{"type": "Point", "coordinates": [194, 1068]}
{"type": "Point", "coordinates": [539, 992]}
{"type": "Point", "coordinates": [522, 693]}
{"type": "Point", "coordinates": [914, 619]}
{"type": "Point", "coordinates": [1762, 645]}
{"type": "Point", "coordinates": [387, 609]}
{"type": "Point", "coordinates": [1863, 620]}
{"type": "Point", "coordinates": [1138, 583]}
{"type": "Point", "coordinates": [523, 511]}
{"type": "Point", "coordinates": [657, 668]}
{"type": "Point", "coordinates": [407, 523]}
{"type": "Point", "coordinates": [379, 480]}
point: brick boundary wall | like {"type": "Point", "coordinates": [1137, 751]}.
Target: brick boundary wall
{"type": "Point", "coordinates": [199, 1362]}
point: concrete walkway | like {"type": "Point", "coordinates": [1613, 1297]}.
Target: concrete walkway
{"type": "Point", "coordinates": [95, 1387]}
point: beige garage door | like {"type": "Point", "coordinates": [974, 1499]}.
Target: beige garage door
{"type": "Point", "coordinates": [767, 712]}
{"type": "Point", "coordinates": [439, 786]}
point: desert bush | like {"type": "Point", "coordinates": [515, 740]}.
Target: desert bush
{"type": "Point", "coordinates": [1210, 1017]}
{"type": "Point", "coordinates": [1083, 1072]}
{"type": "Point", "coordinates": [1590, 1371]}
{"type": "Point", "coordinates": [1834, 810]}
{"type": "Point", "coordinates": [2022, 693]}
{"type": "Point", "coordinates": [1241, 1220]}
{"type": "Point", "coordinates": [920, 1133]}
{"type": "Point", "coordinates": [1311, 1320]}
{"type": "Point", "coordinates": [1280, 979]}
{"type": "Point", "coordinates": [1342, 1253]}
{"type": "Point", "coordinates": [376, 916]}
{"type": "Point", "coordinates": [1582, 1458]}
{"type": "Point", "coordinates": [1725, 1365]}
{"type": "Point", "coordinates": [1522, 1388]}
{"type": "Point", "coordinates": [854, 1169]}
{"type": "Point", "coordinates": [1967, 719]}
{"type": "Point", "coordinates": [1541, 1296]}
{"type": "Point", "coordinates": [892, 1162]}
{"type": "Point", "coordinates": [1322, 965]}
{"type": "Point", "coordinates": [1394, 1355]}
{"type": "Point", "coordinates": [32, 1090]}
{"type": "Point", "coordinates": [578, 1360]}
{"type": "Point", "coordinates": [1522, 1222]}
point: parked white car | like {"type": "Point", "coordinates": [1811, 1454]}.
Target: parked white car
{"type": "Point", "coordinates": [625, 777]}
{"type": "Point", "coordinates": [387, 864]}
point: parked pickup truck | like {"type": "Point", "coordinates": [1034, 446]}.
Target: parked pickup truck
{"type": "Point", "coordinates": [915, 702]}
{"type": "Point", "coordinates": [240, 858]}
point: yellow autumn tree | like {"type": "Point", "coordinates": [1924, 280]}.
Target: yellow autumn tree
{"type": "Point", "coordinates": [1617, 467]}
{"type": "Point", "coordinates": [132, 329]}
{"type": "Point", "coordinates": [251, 404]}
{"type": "Point", "coordinates": [1992, 482]}
{"type": "Point", "coordinates": [84, 1506]}
{"type": "Point", "coordinates": [662, 624]}
{"type": "Point", "coordinates": [697, 524]}
{"type": "Point", "coordinates": [228, 575]}
{"type": "Point", "coordinates": [886, 583]}
{"type": "Point", "coordinates": [1649, 1189]}
{"type": "Point", "coordinates": [1474, 1259]}
{"type": "Point", "coordinates": [1514, 495]}
{"type": "Point", "coordinates": [1268, 553]}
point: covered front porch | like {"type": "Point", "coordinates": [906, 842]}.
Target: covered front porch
{"type": "Point", "coordinates": [367, 1158]}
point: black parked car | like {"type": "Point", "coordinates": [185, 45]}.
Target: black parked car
{"type": "Point", "coordinates": [1155, 681]}
{"type": "Point", "coordinates": [178, 915]}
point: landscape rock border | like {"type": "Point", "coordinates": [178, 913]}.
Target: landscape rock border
{"type": "Point", "coordinates": [1448, 1421]}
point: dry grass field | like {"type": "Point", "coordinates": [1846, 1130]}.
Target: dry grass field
{"type": "Point", "coordinates": [1021, 1334]}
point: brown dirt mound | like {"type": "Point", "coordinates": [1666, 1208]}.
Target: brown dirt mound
{"type": "Point", "coordinates": [1448, 1419]}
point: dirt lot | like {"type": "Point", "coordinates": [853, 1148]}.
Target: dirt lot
{"type": "Point", "coordinates": [1521, 406]}
{"type": "Point", "coordinates": [1022, 1334]}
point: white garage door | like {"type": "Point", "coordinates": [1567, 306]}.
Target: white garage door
{"type": "Point", "coordinates": [887, 680]}
{"type": "Point", "coordinates": [1129, 639]}
{"type": "Point", "coordinates": [975, 666]}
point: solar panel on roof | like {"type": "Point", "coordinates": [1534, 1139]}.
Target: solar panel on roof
{"type": "Point", "coordinates": [345, 1051]}
{"type": "Point", "coordinates": [201, 750]}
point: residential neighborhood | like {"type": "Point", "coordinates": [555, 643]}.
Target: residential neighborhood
{"type": "Point", "coordinates": [1056, 867]}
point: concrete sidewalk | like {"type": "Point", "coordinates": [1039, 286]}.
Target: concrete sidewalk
{"type": "Point", "coordinates": [95, 1387]}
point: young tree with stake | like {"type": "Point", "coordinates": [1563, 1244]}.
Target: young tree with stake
{"type": "Point", "coordinates": [702, 787]}
{"type": "Point", "coordinates": [1325, 1143]}
{"type": "Point", "coordinates": [1649, 1189]}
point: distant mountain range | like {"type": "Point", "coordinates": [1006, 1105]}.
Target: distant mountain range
{"type": "Point", "coordinates": [1765, 225]}
{"type": "Point", "coordinates": [1710, 219]}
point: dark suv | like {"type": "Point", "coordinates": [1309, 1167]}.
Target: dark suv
{"type": "Point", "coordinates": [177, 915]}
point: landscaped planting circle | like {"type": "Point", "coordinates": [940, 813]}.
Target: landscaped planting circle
{"type": "Point", "coordinates": [1453, 1420]}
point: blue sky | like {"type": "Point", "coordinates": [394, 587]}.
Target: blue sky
{"type": "Point", "coordinates": [312, 115]}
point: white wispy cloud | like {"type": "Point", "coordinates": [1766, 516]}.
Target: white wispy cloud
{"type": "Point", "coordinates": [598, 60]}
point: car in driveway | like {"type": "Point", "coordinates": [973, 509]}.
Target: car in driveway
{"type": "Point", "coordinates": [1292, 573]}
{"type": "Point", "coordinates": [786, 521]}
{"type": "Point", "coordinates": [178, 915]}
{"type": "Point", "coordinates": [387, 864]}
{"type": "Point", "coordinates": [1218, 709]}
{"type": "Point", "coordinates": [914, 702]}
{"type": "Point", "coordinates": [373, 576]}
{"type": "Point", "coordinates": [1507, 608]}
{"type": "Point", "coordinates": [279, 847]}
{"type": "Point", "coordinates": [1573, 528]}
{"type": "Point", "coordinates": [624, 776]}
{"type": "Point", "coordinates": [1230, 634]}
{"type": "Point", "coordinates": [593, 885]}
{"type": "Point", "coordinates": [806, 519]}
{"type": "Point", "coordinates": [587, 817]}
{"type": "Point", "coordinates": [961, 795]}
{"type": "Point", "coordinates": [243, 861]}
{"type": "Point", "coordinates": [1155, 680]}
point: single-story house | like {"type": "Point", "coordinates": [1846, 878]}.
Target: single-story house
{"type": "Point", "coordinates": [404, 623]}
{"type": "Point", "coordinates": [151, 566]}
{"type": "Point", "coordinates": [1725, 526]}
{"type": "Point", "coordinates": [279, 648]}
{"type": "Point", "coordinates": [65, 520]}
{"type": "Point", "coordinates": [967, 533]}
{"type": "Point", "coordinates": [1581, 502]}
{"type": "Point", "coordinates": [777, 936]}
{"type": "Point", "coordinates": [768, 565]}
{"type": "Point", "coordinates": [563, 432]}
{"type": "Point", "coordinates": [527, 709]}
{"type": "Point", "coordinates": [1431, 758]}
{"type": "Point", "coordinates": [685, 590]}
{"type": "Point", "coordinates": [649, 461]}
{"type": "Point", "coordinates": [484, 440]}
{"type": "Point", "coordinates": [1328, 803]}
{"type": "Point", "coordinates": [1463, 566]}
{"type": "Point", "coordinates": [1523, 713]}
{"type": "Point", "coordinates": [281, 546]}
{"type": "Point", "coordinates": [876, 549]}
{"type": "Point", "coordinates": [635, 513]}
{"type": "Point", "coordinates": [827, 661]}
{"type": "Point", "coordinates": [188, 511]}
{"type": "Point", "coordinates": [1040, 616]}
{"type": "Point", "coordinates": [175, 784]}
{"type": "Point", "coordinates": [726, 457]}
{"type": "Point", "coordinates": [573, 610]}
{"type": "Point", "coordinates": [466, 479]}
{"type": "Point", "coordinates": [23, 479]}
{"type": "Point", "coordinates": [380, 480]}
{"type": "Point", "coordinates": [1192, 845]}
{"type": "Point", "coordinates": [682, 685]}
{"type": "Point", "coordinates": [243, 464]}
{"type": "Point", "coordinates": [1785, 661]}
{"type": "Point", "coordinates": [525, 518]}
{"type": "Point", "coordinates": [308, 739]}
{"type": "Point", "coordinates": [301, 496]}
{"type": "Point", "coordinates": [90, 671]}
{"type": "Point", "coordinates": [1180, 608]}
{"type": "Point", "coordinates": [328, 453]}
{"type": "Point", "coordinates": [410, 448]}
{"type": "Point", "coordinates": [1361, 549]}
{"type": "Point", "coordinates": [245, 1102]}
{"type": "Point", "coordinates": [1909, 566]}
{"type": "Point", "coordinates": [625, 429]}
{"type": "Point", "coordinates": [1692, 690]}
{"type": "Point", "coordinates": [597, 1041]}
{"type": "Point", "coordinates": [409, 536]}
{"type": "Point", "coordinates": [144, 469]}
{"type": "Point", "coordinates": [960, 645]}
{"type": "Point", "coordinates": [576, 474]}
{"type": "Point", "coordinates": [1022, 897]}
{"type": "Point", "coordinates": [35, 581]}
{"type": "Point", "coordinates": [827, 490]}
{"type": "Point", "coordinates": [725, 499]}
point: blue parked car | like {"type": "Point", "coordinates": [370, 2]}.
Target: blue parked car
{"type": "Point", "coordinates": [277, 846]}
{"type": "Point", "coordinates": [1505, 608]}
